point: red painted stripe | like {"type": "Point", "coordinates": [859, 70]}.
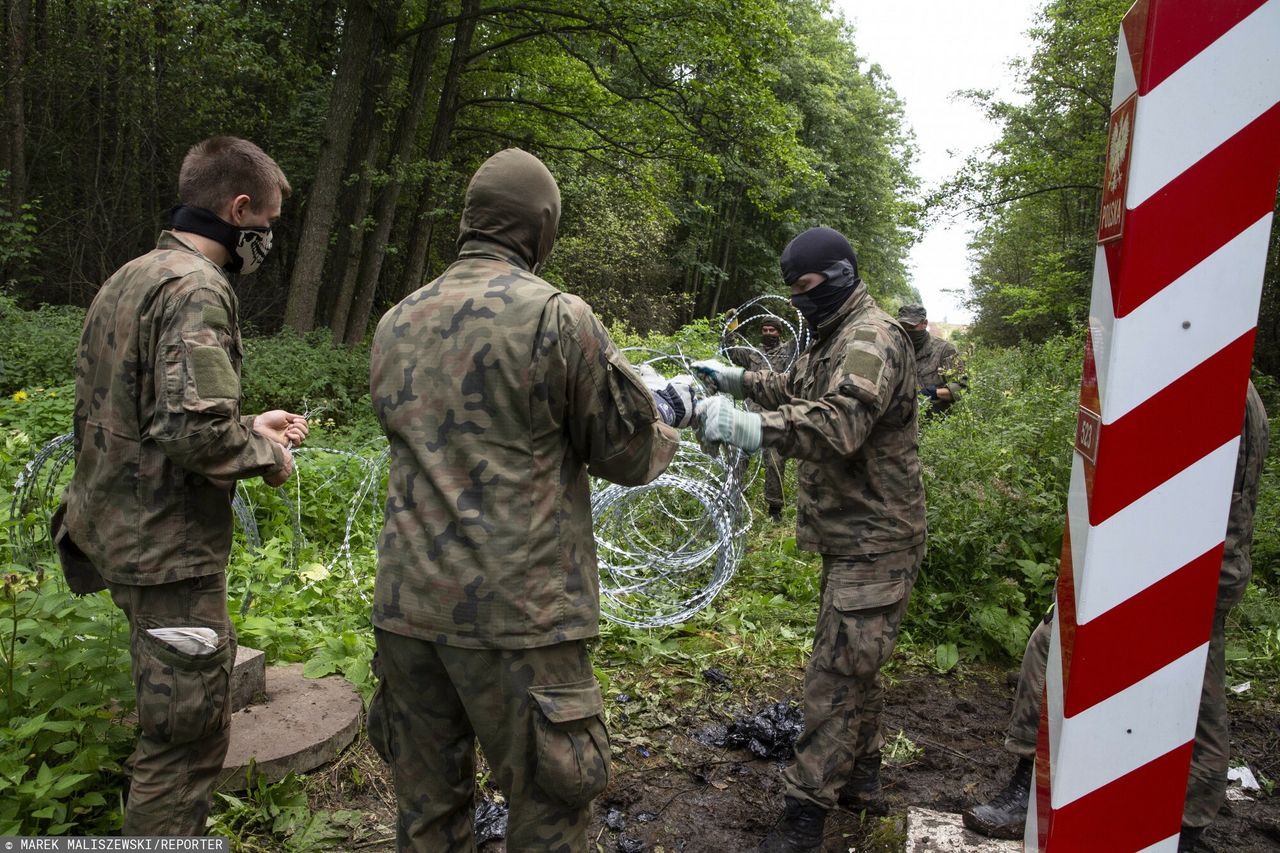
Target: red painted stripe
{"type": "Point", "coordinates": [1044, 809]}
{"type": "Point", "coordinates": [1131, 813]}
{"type": "Point", "coordinates": [1197, 414]}
{"type": "Point", "coordinates": [1196, 213]}
{"type": "Point", "coordinates": [1135, 34]}
{"type": "Point", "coordinates": [1154, 628]}
{"type": "Point", "coordinates": [1066, 604]}
{"type": "Point", "coordinates": [1177, 30]}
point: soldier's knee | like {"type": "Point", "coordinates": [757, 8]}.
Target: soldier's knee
{"type": "Point", "coordinates": [571, 741]}
{"type": "Point", "coordinates": [182, 697]}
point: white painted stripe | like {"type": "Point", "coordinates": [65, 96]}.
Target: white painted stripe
{"type": "Point", "coordinates": [1122, 733]}
{"type": "Point", "coordinates": [1205, 102]}
{"type": "Point", "coordinates": [1102, 320]}
{"type": "Point", "coordinates": [1125, 82]}
{"type": "Point", "coordinates": [1169, 845]}
{"type": "Point", "coordinates": [1211, 305]}
{"type": "Point", "coordinates": [1157, 534]}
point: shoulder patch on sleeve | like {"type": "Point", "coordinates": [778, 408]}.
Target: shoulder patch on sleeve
{"type": "Point", "coordinates": [214, 376]}
{"type": "Point", "coordinates": [216, 315]}
{"type": "Point", "coordinates": [864, 365]}
{"type": "Point", "coordinates": [864, 334]}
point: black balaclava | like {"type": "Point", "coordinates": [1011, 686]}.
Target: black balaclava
{"type": "Point", "coordinates": [513, 200]}
{"type": "Point", "coordinates": [770, 338]}
{"type": "Point", "coordinates": [247, 245]}
{"type": "Point", "coordinates": [826, 251]}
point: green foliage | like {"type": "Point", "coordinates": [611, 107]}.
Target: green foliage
{"type": "Point", "coordinates": [291, 370]}
{"type": "Point", "coordinates": [1036, 190]}
{"type": "Point", "coordinates": [996, 472]}
{"type": "Point", "coordinates": [64, 665]}
{"type": "Point", "coordinates": [38, 347]}
{"type": "Point", "coordinates": [278, 816]}
{"type": "Point", "coordinates": [38, 414]}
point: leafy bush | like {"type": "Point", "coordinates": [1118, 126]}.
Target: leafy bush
{"type": "Point", "coordinates": [305, 372]}
{"type": "Point", "coordinates": [65, 669]}
{"type": "Point", "coordinates": [996, 472]}
{"type": "Point", "coordinates": [38, 347]}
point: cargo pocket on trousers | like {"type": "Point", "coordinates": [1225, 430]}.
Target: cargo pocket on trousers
{"type": "Point", "coordinates": [571, 741]}
{"type": "Point", "coordinates": [865, 631]}
{"type": "Point", "coordinates": [377, 723]}
{"type": "Point", "coordinates": [181, 697]}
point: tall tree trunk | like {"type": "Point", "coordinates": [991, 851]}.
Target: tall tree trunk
{"type": "Point", "coordinates": [344, 101]}
{"type": "Point", "coordinates": [422, 225]}
{"type": "Point", "coordinates": [16, 24]}
{"type": "Point", "coordinates": [375, 248]}
{"type": "Point", "coordinates": [366, 151]}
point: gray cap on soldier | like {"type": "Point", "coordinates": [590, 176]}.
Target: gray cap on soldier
{"type": "Point", "coordinates": [912, 315]}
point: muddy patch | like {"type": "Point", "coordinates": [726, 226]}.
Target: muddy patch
{"type": "Point", "coordinates": [672, 793]}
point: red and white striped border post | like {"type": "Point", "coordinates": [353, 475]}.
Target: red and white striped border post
{"type": "Point", "coordinates": [1192, 169]}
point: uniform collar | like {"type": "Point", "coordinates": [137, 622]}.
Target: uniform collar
{"type": "Point", "coordinates": [492, 251]}
{"type": "Point", "coordinates": [855, 304]}
{"type": "Point", "coordinates": [175, 241]}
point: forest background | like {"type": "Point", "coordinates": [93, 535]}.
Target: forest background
{"type": "Point", "coordinates": [691, 140]}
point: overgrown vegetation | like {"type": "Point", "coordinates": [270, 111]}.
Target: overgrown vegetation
{"type": "Point", "coordinates": [996, 473]}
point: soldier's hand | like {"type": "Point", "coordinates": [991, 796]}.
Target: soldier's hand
{"type": "Point", "coordinates": [677, 395]}
{"type": "Point", "coordinates": [284, 428]}
{"type": "Point", "coordinates": [282, 474]}
{"type": "Point", "coordinates": [930, 391]}
{"type": "Point", "coordinates": [720, 376]}
{"type": "Point", "coordinates": [720, 421]}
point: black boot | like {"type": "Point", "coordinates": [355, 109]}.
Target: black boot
{"type": "Point", "coordinates": [799, 831]}
{"type": "Point", "coordinates": [1006, 815]}
{"type": "Point", "coordinates": [863, 784]}
{"type": "Point", "coordinates": [1189, 838]}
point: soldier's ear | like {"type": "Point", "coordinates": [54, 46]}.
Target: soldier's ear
{"type": "Point", "coordinates": [236, 209]}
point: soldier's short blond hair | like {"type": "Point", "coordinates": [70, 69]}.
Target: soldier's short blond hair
{"type": "Point", "coordinates": [223, 167]}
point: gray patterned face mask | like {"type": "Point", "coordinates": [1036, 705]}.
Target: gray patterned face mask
{"type": "Point", "coordinates": [248, 246]}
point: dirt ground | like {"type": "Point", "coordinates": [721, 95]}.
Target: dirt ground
{"type": "Point", "coordinates": [672, 793]}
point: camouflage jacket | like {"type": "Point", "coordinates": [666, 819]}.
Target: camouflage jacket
{"type": "Point", "coordinates": [158, 431]}
{"type": "Point", "coordinates": [499, 395]}
{"type": "Point", "coordinates": [938, 363]}
{"type": "Point", "coordinates": [1237, 567]}
{"type": "Point", "coordinates": [847, 410]}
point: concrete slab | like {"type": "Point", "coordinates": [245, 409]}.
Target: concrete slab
{"type": "Point", "coordinates": [304, 723]}
{"type": "Point", "coordinates": [938, 832]}
{"type": "Point", "coordinates": [248, 677]}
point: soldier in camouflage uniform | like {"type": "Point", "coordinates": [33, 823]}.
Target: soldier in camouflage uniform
{"type": "Point", "coordinates": [159, 443]}
{"type": "Point", "coordinates": [940, 372]}
{"type": "Point", "coordinates": [847, 411]}
{"type": "Point", "coordinates": [1006, 814]}
{"type": "Point", "coordinates": [500, 396]}
{"type": "Point", "coordinates": [776, 356]}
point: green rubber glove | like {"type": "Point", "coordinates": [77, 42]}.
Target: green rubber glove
{"type": "Point", "coordinates": [720, 421]}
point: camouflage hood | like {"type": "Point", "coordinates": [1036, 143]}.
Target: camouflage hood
{"type": "Point", "coordinates": [513, 200]}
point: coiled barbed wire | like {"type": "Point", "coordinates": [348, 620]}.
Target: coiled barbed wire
{"type": "Point", "coordinates": [758, 310]}
{"type": "Point", "coordinates": [666, 549]}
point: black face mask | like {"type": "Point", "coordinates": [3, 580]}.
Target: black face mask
{"type": "Point", "coordinates": [820, 303]}
{"type": "Point", "coordinates": [248, 246]}
{"type": "Point", "coordinates": [770, 340]}
{"type": "Point", "coordinates": [919, 337]}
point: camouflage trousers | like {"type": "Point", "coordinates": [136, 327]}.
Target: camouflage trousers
{"type": "Point", "coordinates": [183, 704]}
{"type": "Point", "coordinates": [1207, 783]}
{"type": "Point", "coordinates": [775, 468]}
{"type": "Point", "coordinates": [538, 715]}
{"type": "Point", "coordinates": [863, 601]}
